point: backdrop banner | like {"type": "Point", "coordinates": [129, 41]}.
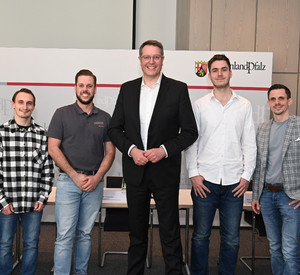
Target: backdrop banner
{"type": "Point", "coordinates": [50, 74]}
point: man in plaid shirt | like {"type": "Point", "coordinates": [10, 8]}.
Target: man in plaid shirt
{"type": "Point", "coordinates": [26, 178]}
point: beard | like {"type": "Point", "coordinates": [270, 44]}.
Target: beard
{"type": "Point", "coordinates": [279, 112]}
{"type": "Point", "coordinates": [220, 86]}
{"type": "Point", "coordinates": [87, 102]}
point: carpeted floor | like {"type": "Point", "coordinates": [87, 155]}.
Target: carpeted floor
{"type": "Point", "coordinates": [117, 264]}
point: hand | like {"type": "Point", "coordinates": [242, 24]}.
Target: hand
{"type": "Point", "coordinates": [91, 184]}
{"type": "Point", "coordinates": [199, 187]}
{"type": "Point", "coordinates": [255, 206]}
{"type": "Point", "coordinates": [241, 188]}
{"type": "Point", "coordinates": [38, 207]}
{"type": "Point", "coordinates": [138, 156]}
{"type": "Point", "coordinates": [295, 202]}
{"type": "Point", "coordinates": [154, 155]}
{"type": "Point", "coordinates": [8, 210]}
{"type": "Point", "coordinates": [79, 179]}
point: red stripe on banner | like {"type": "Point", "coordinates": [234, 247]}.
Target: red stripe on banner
{"type": "Point", "coordinates": [109, 85]}
{"type": "Point", "coordinates": [40, 84]}
{"type": "Point", "coordinates": [250, 88]}
{"type": "Point", "coordinates": [58, 84]}
{"type": "Point", "coordinates": [200, 87]}
{"type": "Point", "coordinates": [119, 85]}
{"type": "Point", "coordinates": [233, 88]}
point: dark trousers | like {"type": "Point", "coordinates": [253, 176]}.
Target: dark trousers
{"type": "Point", "coordinates": [166, 198]}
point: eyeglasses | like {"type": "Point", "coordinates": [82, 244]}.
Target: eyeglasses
{"type": "Point", "coordinates": [148, 57]}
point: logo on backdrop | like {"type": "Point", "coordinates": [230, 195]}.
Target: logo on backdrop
{"type": "Point", "coordinates": [248, 66]}
{"type": "Point", "coordinates": [201, 68]}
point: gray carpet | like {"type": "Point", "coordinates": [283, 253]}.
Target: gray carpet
{"type": "Point", "coordinates": [117, 264]}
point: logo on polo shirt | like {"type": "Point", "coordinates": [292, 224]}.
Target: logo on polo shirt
{"type": "Point", "coordinates": [99, 123]}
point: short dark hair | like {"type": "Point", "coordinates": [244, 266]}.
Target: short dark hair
{"type": "Point", "coordinates": [23, 90]}
{"type": "Point", "coordinates": [87, 73]}
{"type": "Point", "coordinates": [279, 87]}
{"type": "Point", "coordinates": [218, 57]}
{"type": "Point", "coordinates": [152, 43]}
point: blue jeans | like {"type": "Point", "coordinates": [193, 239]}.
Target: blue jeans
{"type": "Point", "coordinates": [230, 211]}
{"type": "Point", "coordinates": [75, 214]}
{"type": "Point", "coordinates": [31, 224]}
{"type": "Point", "coordinates": [282, 224]}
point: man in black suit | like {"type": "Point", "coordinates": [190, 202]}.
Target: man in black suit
{"type": "Point", "coordinates": [152, 123]}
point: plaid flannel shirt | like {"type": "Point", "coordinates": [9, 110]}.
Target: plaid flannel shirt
{"type": "Point", "coordinates": [26, 168]}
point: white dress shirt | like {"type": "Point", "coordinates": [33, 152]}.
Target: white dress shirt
{"type": "Point", "coordinates": [147, 101]}
{"type": "Point", "coordinates": [225, 150]}
{"type": "Point", "coordinates": [148, 98]}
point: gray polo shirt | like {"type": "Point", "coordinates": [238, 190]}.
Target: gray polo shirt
{"type": "Point", "coordinates": [82, 136]}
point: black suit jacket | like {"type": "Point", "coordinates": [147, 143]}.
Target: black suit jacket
{"type": "Point", "coordinates": [172, 124]}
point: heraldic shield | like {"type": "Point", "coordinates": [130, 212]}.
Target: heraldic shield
{"type": "Point", "coordinates": [201, 68]}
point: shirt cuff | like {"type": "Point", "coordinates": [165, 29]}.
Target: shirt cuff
{"type": "Point", "coordinates": [193, 173]}
{"type": "Point", "coordinates": [246, 176]}
{"type": "Point", "coordinates": [129, 150]}
{"type": "Point", "coordinates": [163, 146]}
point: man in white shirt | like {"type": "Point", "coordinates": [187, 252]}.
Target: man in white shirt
{"type": "Point", "coordinates": [220, 164]}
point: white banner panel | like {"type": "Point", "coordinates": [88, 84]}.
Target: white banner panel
{"type": "Point", "coordinates": [50, 73]}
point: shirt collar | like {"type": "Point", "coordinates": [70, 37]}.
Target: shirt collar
{"type": "Point", "coordinates": [156, 83]}
{"type": "Point", "coordinates": [233, 96]}
{"type": "Point", "coordinates": [12, 124]}
{"type": "Point", "coordinates": [80, 111]}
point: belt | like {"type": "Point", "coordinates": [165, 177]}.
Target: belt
{"type": "Point", "coordinates": [85, 172]}
{"type": "Point", "coordinates": [274, 187]}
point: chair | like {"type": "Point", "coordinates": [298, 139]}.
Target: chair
{"type": "Point", "coordinates": [257, 225]}
{"type": "Point", "coordinates": [117, 220]}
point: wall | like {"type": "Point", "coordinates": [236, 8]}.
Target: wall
{"type": "Point", "coordinates": [217, 25]}
{"type": "Point", "coordinates": [246, 25]}
{"type": "Point", "coordinates": [156, 19]}
{"type": "Point", "coordinates": [90, 24]}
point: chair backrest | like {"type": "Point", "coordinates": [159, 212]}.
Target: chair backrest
{"type": "Point", "coordinates": [116, 219]}
{"type": "Point", "coordinates": [114, 182]}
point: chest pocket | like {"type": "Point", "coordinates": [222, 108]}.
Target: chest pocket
{"type": "Point", "coordinates": [38, 156]}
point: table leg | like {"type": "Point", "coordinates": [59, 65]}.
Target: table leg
{"type": "Point", "coordinates": [186, 251]}
{"type": "Point", "coordinates": [99, 238]}
{"type": "Point", "coordinates": [18, 245]}
{"type": "Point", "coordinates": [253, 242]}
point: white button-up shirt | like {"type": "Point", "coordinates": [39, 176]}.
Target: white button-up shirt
{"type": "Point", "coordinates": [148, 98]}
{"type": "Point", "coordinates": [147, 101]}
{"type": "Point", "coordinates": [226, 147]}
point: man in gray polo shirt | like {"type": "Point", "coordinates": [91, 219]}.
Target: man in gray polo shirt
{"type": "Point", "coordinates": [79, 145]}
{"type": "Point", "coordinates": [276, 185]}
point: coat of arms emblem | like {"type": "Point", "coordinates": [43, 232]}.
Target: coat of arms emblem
{"type": "Point", "coordinates": [201, 68]}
